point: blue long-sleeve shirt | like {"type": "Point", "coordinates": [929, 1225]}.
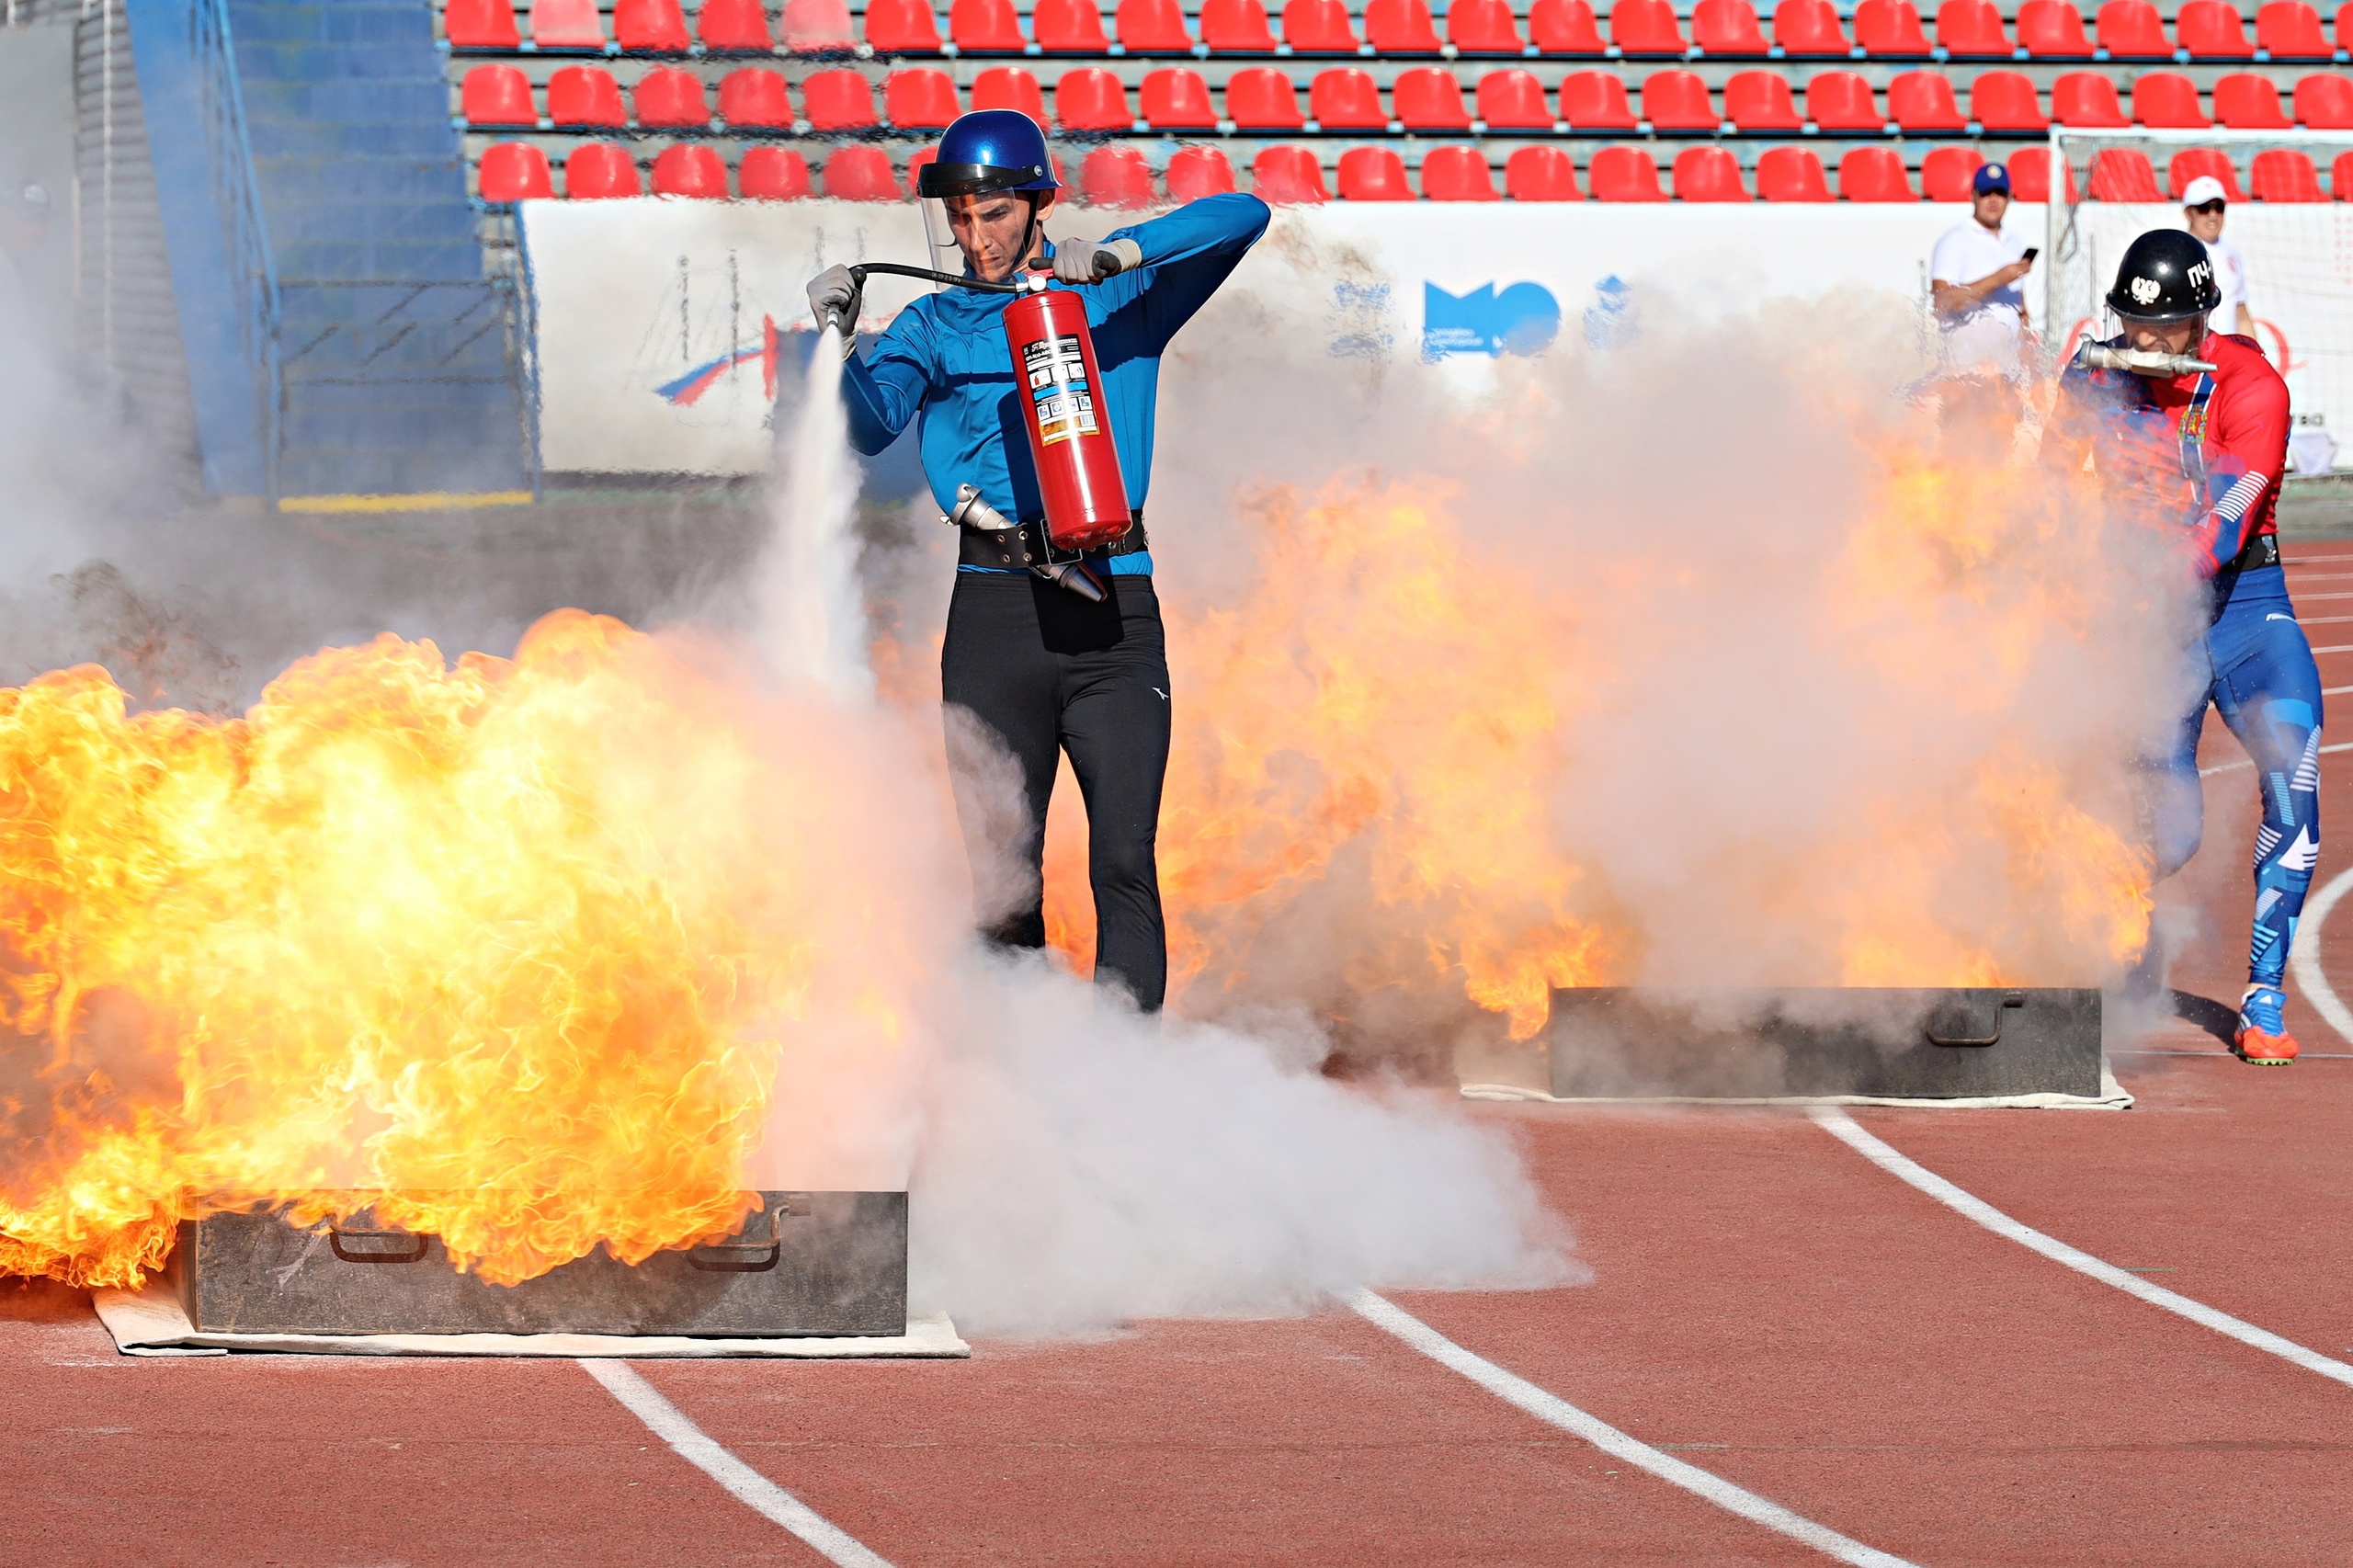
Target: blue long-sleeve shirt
{"type": "Point", "coordinates": [944, 363]}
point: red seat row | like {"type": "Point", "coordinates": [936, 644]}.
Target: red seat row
{"type": "Point", "coordinates": [654, 27]}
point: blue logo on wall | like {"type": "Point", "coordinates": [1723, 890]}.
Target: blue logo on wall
{"type": "Point", "coordinates": [1522, 319]}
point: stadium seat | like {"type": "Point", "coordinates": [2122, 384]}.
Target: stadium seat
{"type": "Point", "coordinates": [1623, 173]}
{"type": "Point", "coordinates": [2006, 100]}
{"type": "Point", "coordinates": [1565, 26]}
{"type": "Point", "coordinates": [921, 98]}
{"type": "Point", "coordinates": [1726, 27]}
{"type": "Point", "coordinates": [2212, 29]}
{"type": "Point", "coordinates": [810, 27]}
{"type": "Point", "coordinates": [1874, 174]}
{"type": "Point", "coordinates": [2163, 100]}
{"type": "Point", "coordinates": [1644, 26]}
{"type": "Point", "coordinates": [1948, 173]}
{"type": "Point", "coordinates": [1595, 100]}
{"type": "Point", "coordinates": [2052, 29]}
{"type": "Point", "coordinates": [837, 100]}
{"type": "Point", "coordinates": [690, 171]}
{"type": "Point", "coordinates": [498, 95]}
{"type": "Point", "coordinates": [515, 171]}
{"type": "Point", "coordinates": [1890, 28]}
{"type": "Point", "coordinates": [736, 26]}
{"type": "Point", "coordinates": [772, 174]}
{"type": "Point", "coordinates": [1808, 27]}
{"type": "Point", "coordinates": [1791, 173]}
{"type": "Point", "coordinates": [1318, 27]}
{"type": "Point", "coordinates": [1457, 173]}
{"type": "Point", "coordinates": [753, 99]}
{"type": "Point", "coordinates": [650, 26]}
{"type": "Point", "coordinates": [584, 95]}
{"type": "Point", "coordinates": [899, 27]}
{"type": "Point", "coordinates": [670, 100]}
{"type": "Point", "coordinates": [2192, 162]}
{"type": "Point", "coordinates": [1543, 174]}
{"type": "Point", "coordinates": [1678, 100]}
{"type": "Point", "coordinates": [596, 170]}
{"type": "Point", "coordinates": [2245, 101]}
{"type": "Point", "coordinates": [2030, 175]}
{"type": "Point", "coordinates": [1196, 172]}
{"type": "Point", "coordinates": [1374, 174]}
{"type": "Point", "coordinates": [1708, 174]}
{"type": "Point", "coordinates": [483, 24]}
{"type": "Point", "coordinates": [1008, 86]}
{"type": "Point", "coordinates": [1260, 97]}
{"type": "Point", "coordinates": [1153, 26]}
{"type": "Point", "coordinates": [2340, 177]}
{"type": "Point", "coordinates": [1235, 27]}
{"type": "Point", "coordinates": [1842, 100]}
{"type": "Point", "coordinates": [1761, 100]}
{"type": "Point", "coordinates": [2283, 173]}
{"type": "Point", "coordinates": [2122, 174]}
{"type": "Point", "coordinates": [1923, 101]}
{"type": "Point", "coordinates": [1513, 100]}
{"type": "Point", "coordinates": [1482, 27]}
{"type": "Point", "coordinates": [1345, 98]}
{"type": "Point", "coordinates": [567, 24]}
{"type": "Point", "coordinates": [1092, 98]}
{"type": "Point", "coordinates": [2325, 102]}
{"type": "Point", "coordinates": [1177, 100]}
{"type": "Point", "coordinates": [1287, 176]}
{"type": "Point", "coordinates": [2131, 29]}
{"type": "Point", "coordinates": [921, 156]}
{"type": "Point", "coordinates": [1399, 27]}
{"type": "Point", "coordinates": [1972, 29]}
{"type": "Point", "coordinates": [1428, 98]}
{"type": "Point", "coordinates": [983, 27]}
{"type": "Point", "coordinates": [1116, 176]}
{"type": "Point", "coordinates": [860, 173]}
{"type": "Point", "coordinates": [1068, 27]}
{"type": "Point", "coordinates": [2290, 30]}
{"type": "Point", "coordinates": [2087, 100]}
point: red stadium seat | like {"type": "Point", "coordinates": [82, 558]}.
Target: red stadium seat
{"type": "Point", "coordinates": [498, 95]}
{"type": "Point", "coordinates": [1428, 98]}
{"type": "Point", "coordinates": [1177, 100]}
{"type": "Point", "coordinates": [568, 24]}
{"type": "Point", "coordinates": [2030, 175]}
{"type": "Point", "coordinates": [755, 100]}
{"type": "Point", "coordinates": [2131, 29]}
{"type": "Point", "coordinates": [650, 26]}
{"type": "Point", "coordinates": [1761, 100]}
{"type": "Point", "coordinates": [2122, 174]}
{"type": "Point", "coordinates": [670, 100]}
{"type": "Point", "coordinates": [1092, 98]}
{"type": "Point", "coordinates": [2006, 100]}
{"type": "Point", "coordinates": [1678, 100]}
{"type": "Point", "coordinates": [1318, 27]}
{"type": "Point", "coordinates": [1399, 27]}
{"type": "Point", "coordinates": [2212, 29]}
{"type": "Point", "coordinates": [1287, 176]}
{"type": "Point", "coordinates": [2290, 30]}
{"type": "Point", "coordinates": [921, 99]}
{"type": "Point", "coordinates": [1153, 27]}
{"type": "Point", "coordinates": [1726, 27]}
{"type": "Point", "coordinates": [813, 26]}
{"type": "Point", "coordinates": [1008, 86]}
{"type": "Point", "coordinates": [1972, 29]}
{"type": "Point", "coordinates": [2282, 174]}
{"type": "Point", "coordinates": [737, 27]}
{"type": "Point", "coordinates": [2192, 162]}
{"type": "Point", "coordinates": [984, 26]}
{"type": "Point", "coordinates": [1235, 27]}
{"type": "Point", "coordinates": [1513, 100]}
{"type": "Point", "coordinates": [1345, 98]}
{"type": "Point", "coordinates": [1116, 176]}
{"type": "Point", "coordinates": [837, 100]}
{"type": "Point", "coordinates": [900, 26]}
{"type": "Point", "coordinates": [860, 173]}
{"type": "Point", "coordinates": [773, 174]}
{"type": "Point", "coordinates": [1890, 28]}
{"type": "Point", "coordinates": [1196, 172]}
{"type": "Point", "coordinates": [1791, 173]}
{"type": "Point", "coordinates": [2052, 29]}
{"type": "Point", "coordinates": [1947, 173]}
{"type": "Point", "coordinates": [584, 95]}
{"type": "Point", "coordinates": [1808, 27]}
{"type": "Point", "coordinates": [2340, 177]}
{"type": "Point", "coordinates": [515, 171]}
{"type": "Point", "coordinates": [923, 155]}
{"type": "Point", "coordinates": [596, 170]}
{"type": "Point", "coordinates": [1457, 173]}
{"type": "Point", "coordinates": [2163, 100]}
{"type": "Point", "coordinates": [1374, 174]}
{"type": "Point", "coordinates": [1623, 173]}
{"type": "Point", "coordinates": [2325, 102]}
{"type": "Point", "coordinates": [690, 171]}
{"type": "Point", "coordinates": [483, 24]}
{"type": "Point", "coordinates": [1644, 26]}
{"type": "Point", "coordinates": [2089, 100]}
{"type": "Point", "coordinates": [1922, 100]}
{"type": "Point", "coordinates": [1482, 27]}
{"type": "Point", "coordinates": [1842, 100]}
{"type": "Point", "coordinates": [1260, 97]}
{"type": "Point", "coordinates": [1595, 100]}
{"type": "Point", "coordinates": [1543, 174]}
{"type": "Point", "coordinates": [1069, 27]}
{"type": "Point", "coordinates": [1708, 174]}
{"type": "Point", "coordinates": [1874, 174]}
{"type": "Point", "coordinates": [2245, 101]}
{"type": "Point", "coordinates": [1565, 26]}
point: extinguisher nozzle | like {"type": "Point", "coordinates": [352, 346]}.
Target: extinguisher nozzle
{"type": "Point", "coordinates": [1074, 575]}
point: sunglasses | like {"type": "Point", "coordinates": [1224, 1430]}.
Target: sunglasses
{"type": "Point", "coordinates": [2210, 208]}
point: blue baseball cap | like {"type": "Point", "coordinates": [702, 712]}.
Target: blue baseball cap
{"type": "Point", "coordinates": [1991, 177]}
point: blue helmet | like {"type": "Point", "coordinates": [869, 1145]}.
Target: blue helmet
{"type": "Point", "coordinates": [989, 150]}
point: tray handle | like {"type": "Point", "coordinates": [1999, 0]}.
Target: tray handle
{"type": "Point", "coordinates": [413, 1250]}
{"type": "Point", "coordinates": [2010, 1000]}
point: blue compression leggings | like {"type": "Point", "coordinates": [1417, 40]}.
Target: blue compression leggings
{"type": "Point", "coordinates": [2261, 678]}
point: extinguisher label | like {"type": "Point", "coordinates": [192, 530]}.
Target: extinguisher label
{"type": "Point", "coordinates": [1063, 402]}
{"type": "Point", "coordinates": [1052, 359]}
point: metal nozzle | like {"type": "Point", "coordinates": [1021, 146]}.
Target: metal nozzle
{"type": "Point", "coordinates": [972, 512]}
{"type": "Point", "coordinates": [2100, 357]}
{"type": "Point", "coordinates": [1074, 575]}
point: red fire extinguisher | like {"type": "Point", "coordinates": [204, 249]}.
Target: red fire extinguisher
{"type": "Point", "coordinates": [1069, 424]}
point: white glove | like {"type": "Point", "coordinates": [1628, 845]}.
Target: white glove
{"type": "Point", "coordinates": [1085, 261]}
{"type": "Point", "coordinates": [834, 297]}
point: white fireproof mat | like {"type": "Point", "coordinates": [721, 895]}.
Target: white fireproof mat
{"type": "Point", "coordinates": [153, 1323]}
{"type": "Point", "coordinates": [2111, 1096]}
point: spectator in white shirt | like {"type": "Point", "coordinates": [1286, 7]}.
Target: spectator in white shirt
{"type": "Point", "coordinates": [1973, 278]}
{"type": "Point", "coordinates": [2202, 205]}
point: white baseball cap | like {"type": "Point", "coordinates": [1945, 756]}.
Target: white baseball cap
{"type": "Point", "coordinates": [2202, 190]}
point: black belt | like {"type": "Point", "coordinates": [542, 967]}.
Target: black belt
{"type": "Point", "coordinates": [2263, 550]}
{"type": "Point", "coordinates": [1018, 549]}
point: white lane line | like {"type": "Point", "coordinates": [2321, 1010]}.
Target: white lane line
{"type": "Point", "coordinates": [747, 1486]}
{"type": "Point", "coordinates": [2304, 959]}
{"type": "Point", "coordinates": [1552, 1410]}
{"type": "Point", "coordinates": [2335, 648]}
{"type": "Point", "coordinates": [2248, 761]}
{"type": "Point", "coordinates": [1844, 1128]}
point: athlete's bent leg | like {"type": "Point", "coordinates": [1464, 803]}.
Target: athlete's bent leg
{"type": "Point", "coordinates": [994, 665]}
{"type": "Point", "coordinates": [1116, 728]}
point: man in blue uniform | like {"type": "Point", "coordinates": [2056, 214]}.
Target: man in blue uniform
{"type": "Point", "coordinates": [1047, 669]}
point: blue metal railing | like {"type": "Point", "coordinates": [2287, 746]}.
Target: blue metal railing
{"type": "Point", "coordinates": [245, 233]}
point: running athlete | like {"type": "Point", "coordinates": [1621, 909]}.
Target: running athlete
{"type": "Point", "coordinates": [2205, 448]}
{"type": "Point", "coordinates": [1046, 668]}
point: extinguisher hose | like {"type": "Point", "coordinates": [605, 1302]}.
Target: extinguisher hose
{"type": "Point", "coordinates": [897, 270]}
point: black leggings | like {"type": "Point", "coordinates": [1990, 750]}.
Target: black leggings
{"type": "Point", "coordinates": [1048, 672]}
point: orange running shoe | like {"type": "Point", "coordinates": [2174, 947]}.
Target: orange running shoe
{"type": "Point", "coordinates": [2263, 1037]}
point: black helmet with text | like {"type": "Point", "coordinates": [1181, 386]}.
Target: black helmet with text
{"type": "Point", "coordinates": [2166, 275]}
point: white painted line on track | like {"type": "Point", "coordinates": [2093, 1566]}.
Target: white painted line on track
{"type": "Point", "coordinates": [1848, 1131]}
{"type": "Point", "coordinates": [2249, 762]}
{"type": "Point", "coordinates": [1554, 1411]}
{"type": "Point", "coordinates": [2304, 959]}
{"type": "Point", "coordinates": [747, 1486]}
